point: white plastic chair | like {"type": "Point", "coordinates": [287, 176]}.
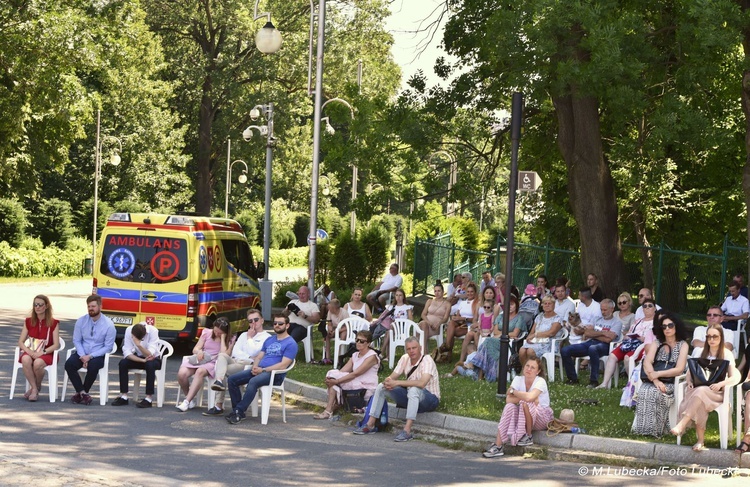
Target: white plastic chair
{"type": "Point", "coordinates": [164, 350]}
{"type": "Point", "coordinates": [103, 376]}
{"type": "Point", "coordinates": [307, 342]}
{"type": "Point", "coordinates": [50, 369]}
{"type": "Point", "coordinates": [554, 352]}
{"type": "Point", "coordinates": [724, 411]}
{"type": "Point", "coordinates": [438, 338]}
{"type": "Point", "coordinates": [736, 334]}
{"type": "Point", "coordinates": [265, 392]}
{"type": "Point", "coordinates": [738, 412]}
{"type": "Point", "coordinates": [353, 324]}
{"type": "Point", "coordinates": [399, 332]}
{"type": "Point", "coordinates": [210, 393]}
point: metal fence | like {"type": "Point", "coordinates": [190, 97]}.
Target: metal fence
{"type": "Point", "coordinates": [684, 281]}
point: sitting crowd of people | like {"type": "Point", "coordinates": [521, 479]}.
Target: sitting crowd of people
{"type": "Point", "coordinates": [541, 321]}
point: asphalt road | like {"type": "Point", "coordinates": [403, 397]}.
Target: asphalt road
{"type": "Point", "coordinates": [67, 444]}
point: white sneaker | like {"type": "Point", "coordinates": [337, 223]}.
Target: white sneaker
{"type": "Point", "coordinates": [192, 404]}
{"type": "Point", "coordinates": [184, 406]}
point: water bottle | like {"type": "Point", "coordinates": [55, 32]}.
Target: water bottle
{"type": "Point", "coordinates": [291, 295]}
{"type": "Point", "coordinates": [576, 430]}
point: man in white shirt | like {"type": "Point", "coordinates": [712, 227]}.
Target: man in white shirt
{"type": "Point", "coordinates": [389, 284]}
{"type": "Point", "coordinates": [453, 287]}
{"type": "Point", "coordinates": [589, 311]}
{"type": "Point", "coordinates": [605, 329]}
{"type": "Point", "coordinates": [140, 352]}
{"type": "Point", "coordinates": [714, 316]}
{"type": "Point", "coordinates": [643, 294]}
{"type": "Point", "coordinates": [563, 304]}
{"type": "Point", "coordinates": [302, 313]}
{"type": "Point", "coordinates": [244, 350]}
{"type": "Point", "coordinates": [736, 307]}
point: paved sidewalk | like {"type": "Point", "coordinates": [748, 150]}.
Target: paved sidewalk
{"type": "Point", "coordinates": [479, 433]}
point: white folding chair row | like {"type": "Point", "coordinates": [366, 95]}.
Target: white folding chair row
{"type": "Point", "coordinates": [353, 324]}
{"type": "Point", "coordinates": [103, 376]}
{"type": "Point", "coordinates": [265, 393]}
{"type": "Point", "coordinates": [164, 350]}
{"type": "Point", "coordinates": [51, 371]}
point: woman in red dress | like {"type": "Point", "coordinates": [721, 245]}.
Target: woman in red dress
{"type": "Point", "coordinates": [39, 338]}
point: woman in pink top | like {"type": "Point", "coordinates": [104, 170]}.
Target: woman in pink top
{"type": "Point", "coordinates": [361, 372]}
{"type": "Point", "coordinates": [211, 343]}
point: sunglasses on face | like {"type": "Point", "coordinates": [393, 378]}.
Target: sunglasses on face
{"type": "Point", "coordinates": [713, 314]}
{"type": "Point", "coordinates": [712, 337]}
{"type": "Point", "coordinates": [648, 305]}
{"type": "Point", "coordinates": [278, 323]}
{"type": "Point", "coordinates": [487, 307]}
{"type": "Point", "coordinates": [641, 295]}
{"type": "Point", "coordinates": [253, 320]}
{"type": "Point", "coordinates": [39, 305]}
{"type": "Point", "coordinates": [360, 340]}
{"type": "Point", "coordinates": [665, 326]}
{"type": "Point", "coordinates": [622, 302]}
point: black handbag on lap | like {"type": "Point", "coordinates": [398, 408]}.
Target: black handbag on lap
{"type": "Point", "coordinates": [660, 365]}
{"type": "Point", "coordinates": [705, 372]}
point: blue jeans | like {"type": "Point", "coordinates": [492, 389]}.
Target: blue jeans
{"type": "Point", "coordinates": [593, 348]}
{"type": "Point", "coordinates": [240, 403]}
{"type": "Point", "coordinates": [414, 399]}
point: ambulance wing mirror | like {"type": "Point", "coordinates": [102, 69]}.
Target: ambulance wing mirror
{"type": "Point", "coordinates": [260, 270]}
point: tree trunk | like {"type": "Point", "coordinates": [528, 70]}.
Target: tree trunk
{"type": "Point", "coordinates": [745, 5]}
{"type": "Point", "coordinates": [203, 189]}
{"type": "Point", "coordinates": [591, 190]}
{"type": "Point", "coordinates": [639, 222]}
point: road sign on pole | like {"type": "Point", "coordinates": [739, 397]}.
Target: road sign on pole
{"type": "Point", "coordinates": [528, 181]}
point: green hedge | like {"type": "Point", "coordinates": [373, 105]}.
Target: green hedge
{"type": "Point", "coordinates": [47, 262]}
{"type": "Point", "coordinates": [296, 257]}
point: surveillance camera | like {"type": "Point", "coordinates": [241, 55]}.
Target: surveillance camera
{"type": "Point", "coordinates": [247, 134]}
{"type": "Point", "coordinates": [254, 114]}
{"type": "Point", "coordinates": [329, 129]}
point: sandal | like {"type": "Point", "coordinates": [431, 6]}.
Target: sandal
{"type": "Point", "coordinates": [323, 415]}
{"type": "Point", "coordinates": [699, 447]}
{"type": "Point", "coordinates": [27, 394]}
{"type": "Point", "coordinates": [742, 447]}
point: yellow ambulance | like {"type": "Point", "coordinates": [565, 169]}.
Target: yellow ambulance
{"type": "Point", "coordinates": [175, 272]}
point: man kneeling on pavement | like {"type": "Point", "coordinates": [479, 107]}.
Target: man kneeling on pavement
{"type": "Point", "coordinates": [277, 353]}
{"type": "Point", "coordinates": [419, 392]}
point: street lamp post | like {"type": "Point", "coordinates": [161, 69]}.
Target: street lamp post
{"type": "Point", "coordinates": [114, 160]}
{"type": "Point", "coordinates": [242, 179]}
{"type": "Point", "coordinates": [266, 285]}
{"type": "Point", "coordinates": [269, 41]}
{"type": "Point", "coordinates": [451, 178]}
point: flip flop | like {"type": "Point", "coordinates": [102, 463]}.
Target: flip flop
{"type": "Point", "coordinates": [742, 447]}
{"type": "Point", "coordinates": [699, 447]}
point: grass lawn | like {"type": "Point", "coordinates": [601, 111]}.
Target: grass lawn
{"type": "Point", "coordinates": [465, 397]}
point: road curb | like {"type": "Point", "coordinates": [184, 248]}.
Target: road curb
{"type": "Point", "coordinates": [567, 447]}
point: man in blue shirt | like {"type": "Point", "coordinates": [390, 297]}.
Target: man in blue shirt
{"type": "Point", "coordinates": [278, 353]}
{"type": "Point", "coordinates": [93, 337]}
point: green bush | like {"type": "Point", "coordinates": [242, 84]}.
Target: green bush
{"type": "Point", "coordinates": [279, 299]}
{"type": "Point", "coordinates": [373, 241]}
{"type": "Point", "coordinates": [282, 239]}
{"type": "Point", "coordinates": [302, 229]}
{"type": "Point", "coordinates": [128, 206]}
{"type": "Point", "coordinates": [249, 223]}
{"type": "Point", "coordinates": [348, 262]}
{"type": "Point", "coordinates": [52, 222]}
{"type": "Point", "coordinates": [48, 262]}
{"type": "Point", "coordinates": [79, 243]}
{"type": "Point", "coordinates": [12, 222]}
{"type": "Point", "coordinates": [296, 257]}
{"type": "Point", "coordinates": [31, 243]}
{"type": "Point", "coordinates": [83, 218]}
